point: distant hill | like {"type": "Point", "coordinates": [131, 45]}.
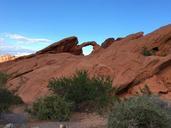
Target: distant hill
{"type": "Point", "coordinates": [4, 58]}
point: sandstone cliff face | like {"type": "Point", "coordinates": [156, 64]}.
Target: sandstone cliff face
{"type": "Point", "coordinates": [5, 58]}
{"type": "Point", "coordinates": [123, 60]}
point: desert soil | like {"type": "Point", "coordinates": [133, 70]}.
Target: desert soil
{"type": "Point", "coordinates": [78, 120]}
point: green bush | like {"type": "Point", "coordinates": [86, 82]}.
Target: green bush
{"type": "Point", "coordinates": [140, 112]}
{"type": "Point", "coordinates": [7, 99]}
{"type": "Point", "coordinates": [3, 79]}
{"type": "Point", "coordinates": [76, 93]}
{"type": "Point", "coordinates": [51, 108]}
{"type": "Point", "coordinates": [146, 52]}
{"type": "Point", "coordinates": [87, 94]}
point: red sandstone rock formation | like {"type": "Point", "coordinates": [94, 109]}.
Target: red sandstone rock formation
{"type": "Point", "coordinates": [107, 42]}
{"type": "Point", "coordinates": [66, 45]}
{"type": "Point", "coordinates": [122, 60]}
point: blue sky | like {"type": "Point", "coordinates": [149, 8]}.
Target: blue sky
{"type": "Point", "coordinates": [29, 25]}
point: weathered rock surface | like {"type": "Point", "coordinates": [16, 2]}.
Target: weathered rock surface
{"type": "Point", "coordinates": [107, 42]}
{"type": "Point", "coordinates": [64, 45]}
{"type": "Point", "coordinates": [122, 60]}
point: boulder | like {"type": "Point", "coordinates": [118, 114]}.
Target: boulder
{"type": "Point", "coordinates": [107, 42]}
{"type": "Point", "coordinates": [64, 45]}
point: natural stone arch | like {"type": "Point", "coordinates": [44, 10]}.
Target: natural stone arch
{"type": "Point", "coordinates": [92, 43]}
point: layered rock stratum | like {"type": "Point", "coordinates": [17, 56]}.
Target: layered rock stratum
{"type": "Point", "coordinates": [133, 62]}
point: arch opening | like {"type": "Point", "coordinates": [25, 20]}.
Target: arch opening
{"type": "Point", "coordinates": [87, 50]}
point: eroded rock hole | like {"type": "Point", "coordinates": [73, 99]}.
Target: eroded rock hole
{"type": "Point", "coordinates": [87, 50]}
{"type": "Point", "coordinates": [156, 49]}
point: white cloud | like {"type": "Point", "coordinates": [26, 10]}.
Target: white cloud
{"type": "Point", "coordinates": [1, 41]}
{"type": "Point", "coordinates": [16, 44]}
{"type": "Point", "coordinates": [14, 50]}
{"type": "Point", "coordinates": [24, 39]}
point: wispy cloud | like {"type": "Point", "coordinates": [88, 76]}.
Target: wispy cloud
{"type": "Point", "coordinates": [14, 50]}
{"type": "Point", "coordinates": [24, 39]}
{"type": "Point", "coordinates": [17, 44]}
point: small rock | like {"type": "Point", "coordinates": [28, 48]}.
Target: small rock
{"type": "Point", "coordinates": [10, 125]}
{"type": "Point", "coordinates": [62, 126]}
{"type": "Point", "coordinates": [35, 127]}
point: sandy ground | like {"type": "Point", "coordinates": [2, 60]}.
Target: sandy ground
{"type": "Point", "coordinates": [78, 120]}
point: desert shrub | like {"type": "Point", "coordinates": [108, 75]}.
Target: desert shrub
{"type": "Point", "coordinates": [146, 52]}
{"type": "Point", "coordinates": [86, 94]}
{"type": "Point", "coordinates": [149, 52]}
{"type": "Point", "coordinates": [163, 53]}
{"type": "Point", "coordinates": [7, 99]}
{"type": "Point", "coordinates": [51, 108]}
{"type": "Point", "coordinates": [3, 79]}
{"type": "Point", "coordinates": [140, 112]}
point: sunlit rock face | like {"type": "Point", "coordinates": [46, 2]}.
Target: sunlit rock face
{"type": "Point", "coordinates": [132, 62]}
{"type": "Point", "coordinates": [4, 58]}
